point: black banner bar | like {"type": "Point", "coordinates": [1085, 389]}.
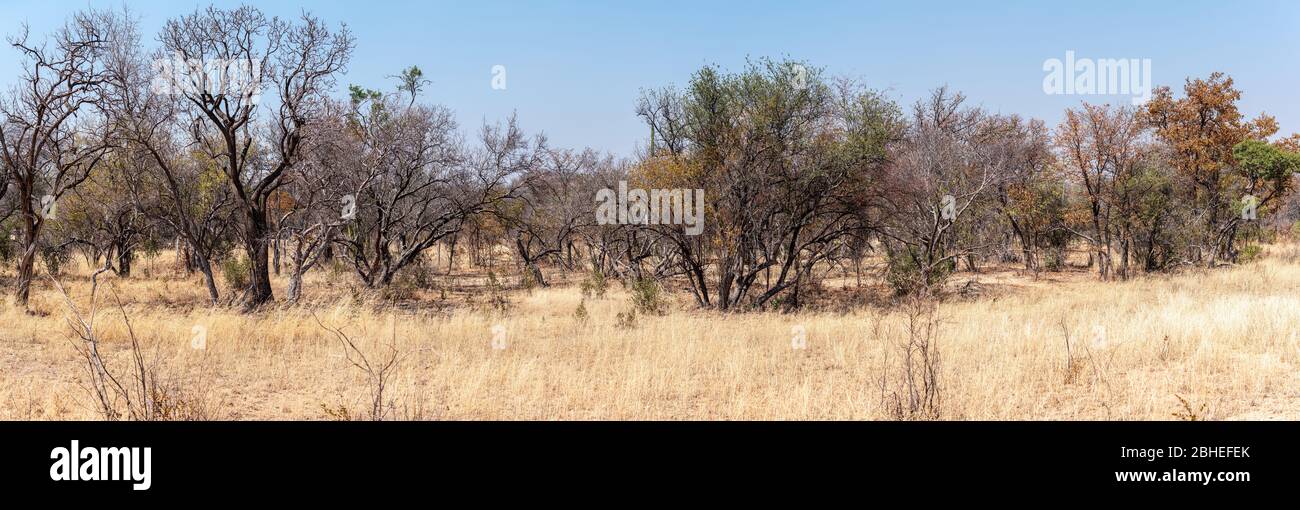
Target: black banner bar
{"type": "Point", "coordinates": [231, 461]}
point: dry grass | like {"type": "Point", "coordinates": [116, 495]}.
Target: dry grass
{"type": "Point", "coordinates": [1223, 340]}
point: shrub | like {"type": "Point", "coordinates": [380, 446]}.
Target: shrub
{"type": "Point", "coordinates": [1249, 253]}
{"type": "Point", "coordinates": [404, 287]}
{"type": "Point", "coordinates": [420, 274]}
{"type": "Point", "coordinates": [594, 285]}
{"type": "Point", "coordinates": [914, 390]}
{"type": "Point", "coordinates": [905, 276]}
{"type": "Point", "coordinates": [647, 296]}
{"type": "Point", "coordinates": [1053, 260]}
{"type": "Point", "coordinates": [580, 314]}
{"type": "Point", "coordinates": [236, 270]}
{"type": "Point", "coordinates": [54, 259]}
{"type": "Point", "coordinates": [143, 389]}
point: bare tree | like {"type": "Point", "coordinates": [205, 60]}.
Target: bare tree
{"type": "Point", "coordinates": [422, 187]}
{"type": "Point", "coordinates": [153, 128]}
{"type": "Point", "coordinates": [293, 62]}
{"type": "Point", "coordinates": [53, 134]}
{"type": "Point", "coordinates": [320, 196]}
{"type": "Point", "coordinates": [937, 180]}
{"type": "Point", "coordinates": [553, 206]}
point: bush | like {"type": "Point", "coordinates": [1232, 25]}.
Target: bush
{"type": "Point", "coordinates": [406, 284]}
{"type": "Point", "coordinates": [581, 314]}
{"type": "Point", "coordinates": [54, 259]}
{"type": "Point", "coordinates": [236, 271]}
{"type": "Point", "coordinates": [647, 296]}
{"type": "Point", "coordinates": [905, 276]}
{"type": "Point", "coordinates": [1053, 260]}
{"type": "Point", "coordinates": [594, 285]}
{"type": "Point", "coordinates": [1249, 253]}
{"type": "Point", "coordinates": [404, 287]}
{"type": "Point", "coordinates": [420, 274]}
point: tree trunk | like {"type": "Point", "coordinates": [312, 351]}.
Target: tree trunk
{"type": "Point", "coordinates": [26, 268]}
{"type": "Point", "coordinates": [295, 286]}
{"type": "Point", "coordinates": [205, 267]}
{"type": "Point", "coordinates": [255, 243]}
{"type": "Point", "coordinates": [451, 253]}
{"type": "Point", "coordinates": [537, 274]}
{"type": "Point", "coordinates": [124, 257]}
{"type": "Point", "coordinates": [259, 276]}
{"type": "Point", "coordinates": [27, 263]}
{"type": "Point", "coordinates": [275, 256]}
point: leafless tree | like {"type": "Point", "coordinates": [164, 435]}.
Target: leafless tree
{"type": "Point", "coordinates": [294, 63]}
{"type": "Point", "coordinates": [53, 133]}
{"type": "Point", "coordinates": [553, 206]}
{"type": "Point", "coordinates": [422, 185]}
{"type": "Point", "coordinates": [319, 197]}
{"type": "Point", "coordinates": [937, 179]}
{"type": "Point", "coordinates": [153, 129]}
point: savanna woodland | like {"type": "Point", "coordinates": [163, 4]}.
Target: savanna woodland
{"type": "Point", "coordinates": [177, 244]}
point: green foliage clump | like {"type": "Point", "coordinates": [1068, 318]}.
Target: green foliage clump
{"type": "Point", "coordinates": [905, 274]}
{"type": "Point", "coordinates": [55, 259]}
{"type": "Point", "coordinates": [648, 297]}
{"type": "Point", "coordinates": [236, 271]}
{"type": "Point", "coordinates": [594, 285]}
{"type": "Point", "coordinates": [1250, 253]}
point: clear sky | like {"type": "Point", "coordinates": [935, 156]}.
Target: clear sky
{"type": "Point", "coordinates": [574, 69]}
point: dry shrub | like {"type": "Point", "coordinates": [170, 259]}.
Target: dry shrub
{"type": "Point", "coordinates": [379, 369]}
{"type": "Point", "coordinates": [1189, 412]}
{"type": "Point", "coordinates": [143, 390]}
{"type": "Point", "coordinates": [915, 392]}
{"type": "Point", "coordinates": [594, 285]}
{"type": "Point", "coordinates": [648, 297]}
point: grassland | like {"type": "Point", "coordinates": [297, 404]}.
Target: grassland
{"type": "Point", "coordinates": [1205, 344]}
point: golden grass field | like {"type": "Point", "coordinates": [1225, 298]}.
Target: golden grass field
{"type": "Point", "coordinates": [1223, 340]}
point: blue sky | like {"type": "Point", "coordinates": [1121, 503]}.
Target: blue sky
{"type": "Point", "coordinates": [574, 69]}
